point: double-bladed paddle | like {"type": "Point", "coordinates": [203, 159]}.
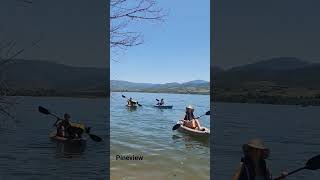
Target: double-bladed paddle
{"type": "Point", "coordinates": [312, 164]}
{"type": "Point", "coordinates": [47, 112]}
{"type": "Point", "coordinates": [176, 126]}
{"type": "Point", "coordinates": [128, 99]}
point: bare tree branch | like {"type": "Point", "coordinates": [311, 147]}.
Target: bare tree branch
{"type": "Point", "coordinates": [126, 12]}
{"type": "Point", "coordinates": [7, 53]}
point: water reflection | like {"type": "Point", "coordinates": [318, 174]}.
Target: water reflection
{"type": "Point", "coordinates": [66, 150]}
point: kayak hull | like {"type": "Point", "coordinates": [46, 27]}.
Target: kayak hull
{"type": "Point", "coordinates": [163, 107]}
{"type": "Point", "coordinates": [76, 141]}
{"type": "Point", "coordinates": [132, 106]}
{"type": "Point", "coordinates": [193, 132]}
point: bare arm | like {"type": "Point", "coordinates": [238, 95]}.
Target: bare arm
{"type": "Point", "coordinates": [237, 172]}
{"type": "Point", "coordinates": [57, 122]}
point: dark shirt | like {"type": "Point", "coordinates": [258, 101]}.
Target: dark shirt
{"type": "Point", "coordinates": [248, 172]}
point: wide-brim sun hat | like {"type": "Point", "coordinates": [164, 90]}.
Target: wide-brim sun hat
{"type": "Point", "coordinates": [256, 143]}
{"type": "Point", "coordinates": [189, 107]}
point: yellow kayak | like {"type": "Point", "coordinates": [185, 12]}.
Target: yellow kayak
{"type": "Point", "coordinates": [82, 140]}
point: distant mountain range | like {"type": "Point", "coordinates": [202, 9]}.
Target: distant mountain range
{"type": "Point", "coordinates": [33, 77]}
{"type": "Point", "coordinates": [38, 74]}
{"type": "Point", "coordinates": [281, 71]}
{"type": "Point", "coordinates": [196, 86]}
{"type": "Point", "coordinates": [281, 80]}
{"type": "Point", "coordinates": [286, 77]}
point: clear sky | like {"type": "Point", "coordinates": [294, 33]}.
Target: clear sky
{"type": "Point", "coordinates": [177, 50]}
{"type": "Point", "coordinates": [72, 32]}
{"type": "Point", "coordinates": [248, 30]}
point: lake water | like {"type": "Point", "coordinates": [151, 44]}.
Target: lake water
{"type": "Point", "coordinates": [27, 152]}
{"type": "Point", "coordinates": [147, 131]}
{"type": "Point", "coordinates": [291, 132]}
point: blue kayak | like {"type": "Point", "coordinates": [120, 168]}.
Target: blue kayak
{"type": "Point", "coordinates": [163, 107]}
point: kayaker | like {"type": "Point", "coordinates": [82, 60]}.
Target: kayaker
{"type": "Point", "coordinates": [161, 102]}
{"type": "Point", "coordinates": [253, 165]}
{"type": "Point", "coordinates": [131, 102]}
{"type": "Point", "coordinates": [65, 129]}
{"type": "Point", "coordinates": [190, 120]}
{"type": "Point", "coordinates": [63, 126]}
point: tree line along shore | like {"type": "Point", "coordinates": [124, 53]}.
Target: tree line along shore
{"type": "Point", "coordinates": [303, 97]}
{"type": "Point", "coordinates": [280, 96]}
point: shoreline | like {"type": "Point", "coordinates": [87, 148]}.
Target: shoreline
{"type": "Point", "coordinates": [267, 99]}
{"type": "Point", "coordinates": [169, 92]}
{"type": "Point", "coordinates": [303, 101]}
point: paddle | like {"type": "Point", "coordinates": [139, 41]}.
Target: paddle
{"type": "Point", "coordinates": [176, 126]}
{"type": "Point", "coordinates": [47, 112]}
{"type": "Point", "coordinates": [206, 114]}
{"type": "Point", "coordinates": [312, 164]}
{"type": "Point", "coordinates": [128, 99]}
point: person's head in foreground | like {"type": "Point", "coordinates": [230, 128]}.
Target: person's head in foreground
{"type": "Point", "coordinates": [66, 116]}
{"type": "Point", "coordinates": [253, 165]}
{"type": "Point", "coordinates": [255, 150]}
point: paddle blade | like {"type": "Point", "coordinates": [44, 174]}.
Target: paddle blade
{"type": "Point", "coordinates": [123, 96]}
{"type": "Point", "coordinates": [95, 138]}
{"type": "Point", "coordinates": [313, 163]}
{"type": "Point", "coordinates": [43, 110]}
{"type": "Point", "coordinates": [208, 113]}
{"type": "Point", "coordinates": [176, 127]}
{"type": "Point", "coordinates": [157, 99]}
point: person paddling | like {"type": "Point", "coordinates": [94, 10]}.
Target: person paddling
{"type": "Point", "coordinates": [63, 126]}
{"type": "Point", "coordinates": [161, 103]}
{"type": "Point", "coordinates": [190, 120]}
{"type": "Point", "coordinates": [65, 129]}
{"type": "Point", "coordinates": [130, 101]}
{"type": "Point", "coordinates": [253, 165]}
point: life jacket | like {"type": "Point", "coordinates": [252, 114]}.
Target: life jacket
{"type": "Point", "coordinates": [71, 128]}
{"type": "Point", "coordinates": [248, 171]}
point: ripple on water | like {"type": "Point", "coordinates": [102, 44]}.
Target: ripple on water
{"type": "Point", "coordinates": [147, 131]}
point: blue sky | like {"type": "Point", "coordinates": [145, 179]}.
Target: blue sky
{"type": "Point", "coordinates": [177, 50]}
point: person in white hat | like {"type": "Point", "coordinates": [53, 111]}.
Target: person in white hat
{"type": "Point", "coordinates": [253, 165]}
{"type": "Point", "coordinates": [190, 120]}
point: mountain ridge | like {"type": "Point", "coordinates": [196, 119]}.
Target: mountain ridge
{"type": "Point", "coordinates": [195, 86]}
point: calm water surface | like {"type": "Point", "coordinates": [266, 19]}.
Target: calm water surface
{"type": "Point", "coordinates": [148, 131]}
{"type": "Point", "coordinates": [291, 132]}
{"type": "Point", "coordinates": [27, 152]}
